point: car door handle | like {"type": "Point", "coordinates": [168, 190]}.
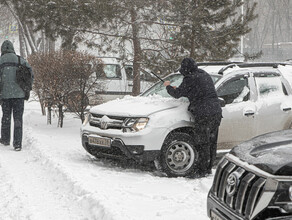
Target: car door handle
{"type": "Point", "coordinates": [248, 113]}
{"type": "Point", "coordinates": [287, 109]}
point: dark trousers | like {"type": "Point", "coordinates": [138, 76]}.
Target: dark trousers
{"type": "Point", "coordinates": [15, 106]}
{"type": "Point", "coordinates": [206, 132]}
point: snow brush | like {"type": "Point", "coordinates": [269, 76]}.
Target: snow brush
{"type": "Point", "coordinates": [157, 76]}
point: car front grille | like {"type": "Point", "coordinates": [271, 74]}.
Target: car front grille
{"type": "Point", "coordinates": [247, 191]}
{"type": "Point", "coordinates": [107, 122]}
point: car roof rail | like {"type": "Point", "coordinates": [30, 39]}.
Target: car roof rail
{"type": "Point", "coordinates": [219, 63]}
{"type": "Point", "coordinates": [227, 67]}
{"type": "Point", "coordinates": [261, 64]}
{"type": "Point", "coordinates": [255, 64]}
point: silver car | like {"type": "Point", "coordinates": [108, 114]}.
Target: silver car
{"type": "Point", "coordinates": [256, 99]}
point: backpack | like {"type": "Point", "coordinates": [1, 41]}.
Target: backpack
{"type": "Point", "coordinates": [24, 79]}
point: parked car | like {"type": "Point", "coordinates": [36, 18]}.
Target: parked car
{"type": "Point", "coordinates": [254, 180]}
{"type": "Point", "coordinates": [157, 127]}
{"type": "Point", "coordinates": [111, 79]}
{"type": "Point", "coordinates": [116, 79]}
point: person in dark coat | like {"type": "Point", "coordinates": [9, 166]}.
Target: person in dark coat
{"type": "Point", "coordinates": [12, 95]}
{"type": "Point", "coordinates": [198, 87]}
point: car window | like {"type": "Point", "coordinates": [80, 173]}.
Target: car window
{"type": "Point", "coordinates": [215, 78]}
{"type": "Point", "coordinates": [159, 88]}
{"type": "Point", "coordinates": [270, 86]}
{"type": "Point", "coordinates": [129, 72]}
{"type": "Point", "coordinates": [175, 80]}
{"type": "Point", "coordinates": [234, 90]}
{"type": "Point", "coordinates": [109, 71]}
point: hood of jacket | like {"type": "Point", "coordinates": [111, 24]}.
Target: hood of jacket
{"type": "Point", "coordinates": [7, 47]}
{"type": "Point", "coordinates": [188, 66]}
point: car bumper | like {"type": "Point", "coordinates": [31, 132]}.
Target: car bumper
{"type": "Point", "coordinates": [151, 138]}
{"type": "Point", "coordinates": [216, 208]}
{"type": "Point", "coordinates": [120, 150]}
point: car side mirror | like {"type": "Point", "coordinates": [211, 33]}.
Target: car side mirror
{"type": "Point", "coordinates": [222, 102]}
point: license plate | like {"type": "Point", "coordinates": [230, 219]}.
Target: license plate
{"type": "Point", "coordinates": [99, 141]}
{"type": "Point", "coordinates": [215, 216]}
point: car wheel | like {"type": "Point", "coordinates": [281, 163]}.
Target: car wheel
{"type": "Point", "coordinates": [179, 155]}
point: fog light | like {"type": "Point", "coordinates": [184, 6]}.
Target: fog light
{"type": "Point", "coordinates": [290, 193]}
{"type": "Point", "coordinates": [287, 207]}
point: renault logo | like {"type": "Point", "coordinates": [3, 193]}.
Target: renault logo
{"type": "Point", "coordinates": [232, 183]}
{"type": "Point", "coordinates": [104, 122]}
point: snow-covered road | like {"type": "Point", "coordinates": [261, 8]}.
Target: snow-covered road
{"type": "Point", "coordinates": [54, 178]}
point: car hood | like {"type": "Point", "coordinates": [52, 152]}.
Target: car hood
{"type": "Point", "coordinates": [270, 152]}
{"type": "Point", "coordinates": [139, 106]}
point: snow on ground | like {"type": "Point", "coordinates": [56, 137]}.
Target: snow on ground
{"type": "Point", "coordinates": [53, 177]}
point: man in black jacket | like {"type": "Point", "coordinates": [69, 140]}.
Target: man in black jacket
{"type": "Point", "coordinates": [198, 87]}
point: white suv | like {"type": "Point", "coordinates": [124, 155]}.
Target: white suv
{"type": "Point", "coordinates": [157, 127]}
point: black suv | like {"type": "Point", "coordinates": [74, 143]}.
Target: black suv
{"type": "Point", "coordinates": [254, 180]}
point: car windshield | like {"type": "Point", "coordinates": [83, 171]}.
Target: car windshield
{"type": "Point", "coordinates": [175, 80]}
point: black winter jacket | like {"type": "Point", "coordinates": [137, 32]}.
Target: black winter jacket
{"type": "Point", "coordinates": [198, 87]}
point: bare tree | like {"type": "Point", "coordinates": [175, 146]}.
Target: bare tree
{"type": "Point", "coordinates": [64, 79]}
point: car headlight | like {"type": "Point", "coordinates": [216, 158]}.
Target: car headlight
{"type": "Point", "coordinates": [87, 118]}
{"type": "Point", "coordinates": [136, 124]}
{"type": "Point", "coordinates": [283, 193]}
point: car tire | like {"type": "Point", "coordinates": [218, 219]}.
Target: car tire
{"type": "Point", "coordinates": [179, 155]}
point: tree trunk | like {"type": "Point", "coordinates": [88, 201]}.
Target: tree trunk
{"type": "Point", "coordinates": [137, 53]}
{"type": "Point", "coordinates": [43, 108]}
{"type": "Point", "coordinates": [192, 40]}
{"type": "Point", "coordinates": [51, 45]}
{"type": "Point", "coordinates": [49, 116]}
{"type": "Point", "coordinates": [21, 43]}
{"type": "Point", "coordinates": [67, 42]}
{"type": "Point", "coordinates": [29, 38]}
{"type": "Point", "coordinates": [42, 48]}
{"type": "Point", "coordinates": [61, 116]}
{"type": "Point", "coordinates": [82, 116]}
